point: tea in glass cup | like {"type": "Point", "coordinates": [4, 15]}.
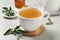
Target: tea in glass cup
{"type": "Point", "coordinates": [19, 3]}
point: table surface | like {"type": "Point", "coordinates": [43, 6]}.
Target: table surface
{"type": "Point", "coordinates": [53, 31]}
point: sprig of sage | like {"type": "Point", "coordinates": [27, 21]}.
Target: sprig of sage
{"type": "Point", "coordinates": [9, 31]}
{"type": "Point", "coordinates": [8, 11]}
{"type": "Point", "coordinates": [16, 31]}
{"type": "Point", "coordinates": [49, 22]}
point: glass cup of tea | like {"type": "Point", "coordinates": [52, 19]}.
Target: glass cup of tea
{"type": "Point", "coordinates": [19, 3]}
{"type": "Point", "coordinates": [31, 18]}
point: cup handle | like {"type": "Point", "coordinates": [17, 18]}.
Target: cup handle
{"type": "Point", "coordinates": [46, 15]}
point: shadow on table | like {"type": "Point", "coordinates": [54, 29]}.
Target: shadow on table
{"type": "Point", "coordinates": [43, 36]}
{"type": "Point", "coordinates": [51, 35]}
{"type": "Point", "coordinates": [11, 18]}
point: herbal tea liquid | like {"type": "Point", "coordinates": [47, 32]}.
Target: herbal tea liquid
{"type": "Point", "coordinates": [19, 3]}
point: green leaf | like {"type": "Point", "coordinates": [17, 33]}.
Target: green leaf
{"type": "Point", "coordinates": [4, 11]}
{"type": "Point", "coordinates": [10, 8]}
{"type": "Point", "coordinates": [5, 8]}
{"type": "Point", "coordinates": [8, 14]}
{"type": "Point", "coordinates": [17, 27]}
{"type": "Point", "coordinates": [9, 31]}
{"type": "Point", "coordinates": [12, 14]}
{"type": "Point", "coordinates": [49, 22]}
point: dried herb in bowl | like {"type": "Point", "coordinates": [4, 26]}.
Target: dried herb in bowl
{"type": "Point", "coordinates": [8, 11]}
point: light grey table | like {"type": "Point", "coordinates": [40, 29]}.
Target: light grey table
{"type": "Point", "coordinates": [52, 31]}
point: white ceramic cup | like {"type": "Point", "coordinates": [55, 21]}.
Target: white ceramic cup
{"type": "Point", "coordinates": [32, 24]}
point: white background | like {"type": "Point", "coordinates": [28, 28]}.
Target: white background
{"type": "Point", "coordinates": [52, 31]}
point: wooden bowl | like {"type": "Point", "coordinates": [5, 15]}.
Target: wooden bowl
{"type": "Point", "coordinates": [39, 31]}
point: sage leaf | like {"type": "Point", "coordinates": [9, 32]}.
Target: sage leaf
{"type": "Point", "coordinates": [12, 14]}
{"type": "Point", "coordinates": [9, 31]}
{"type": "Point", "coordinates": [17, 27]}
{"type": "Point", "coordinates": [4, 11]}
{"type": "Point", "coordinates": [15, 31]}
{"type": "Point", "coordinates": [49, 22]}
{"type": "Point", "coordinates": [5, 8]}
{"type": "Point", "coordinates": [10, 8]}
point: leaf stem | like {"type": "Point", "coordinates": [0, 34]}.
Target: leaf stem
{"type": "Point", "coordinates": [18, 36]}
